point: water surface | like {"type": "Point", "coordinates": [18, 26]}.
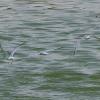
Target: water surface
{"type": "Point", "coordinates": [54, 26]}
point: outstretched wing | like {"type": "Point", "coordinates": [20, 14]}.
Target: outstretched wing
{"type": "Point", "coordinates": [15, 49]}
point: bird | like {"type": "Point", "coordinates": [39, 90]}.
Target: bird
{"type": "Point", "coordinates": [11, 56]}
{"type": "Point", "coordinates": [44, 53]}
{"type": "Point", "coordinates": [79, 39]}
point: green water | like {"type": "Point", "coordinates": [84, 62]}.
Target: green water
{"type": "Point", "coordinates": [50, 25]}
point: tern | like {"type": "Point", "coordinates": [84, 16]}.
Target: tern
{"type": "Point", "coordinates": [11, 57]}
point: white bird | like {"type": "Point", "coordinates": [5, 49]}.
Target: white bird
{"type": "Point", "coordinates": [44, 53]}
{"type": "Point", "coordinates": [79, 39]}
{"type": "Point", "coordinates": [11, 57]}
{"type": "Point", "coordinates": [87, 36]}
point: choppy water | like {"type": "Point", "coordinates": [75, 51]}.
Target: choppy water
{"type": "Point", "coordinates": [53, 26]}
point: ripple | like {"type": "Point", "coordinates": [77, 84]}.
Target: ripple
{"type": "Point", "coordinates": [60, 57]}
